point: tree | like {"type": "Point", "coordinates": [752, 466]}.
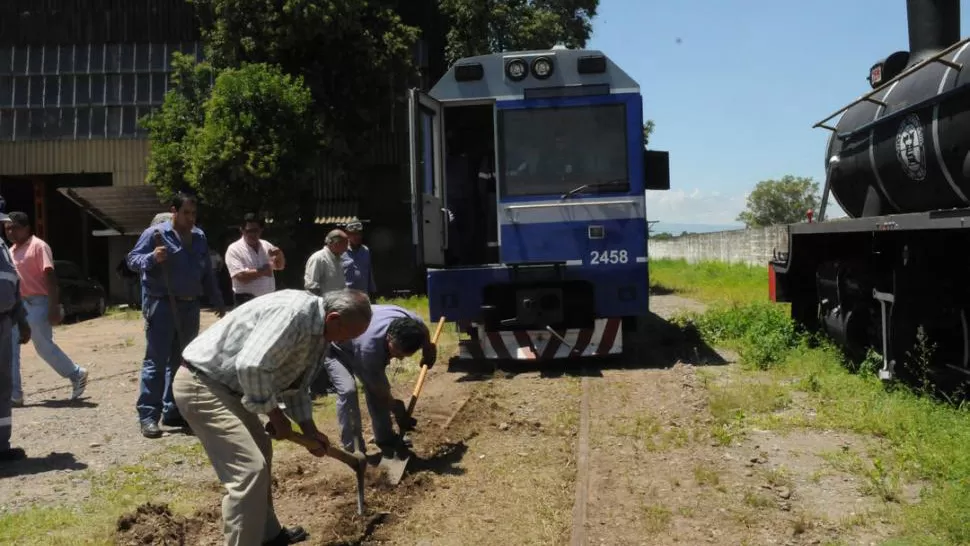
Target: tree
{"type": "Point", "coordinates": [784, 201]}
{"type": "Point", "coordinates": [354, 55]}
{"type": "Point", "coordinates": [479, 27]}
{"type": "Point", "coordinates": [250, 137]}
{"type": "Point", "coordinates": [647, 131]}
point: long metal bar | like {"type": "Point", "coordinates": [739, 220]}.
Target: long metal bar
{"type": "Point", "coordinates": [937, 58]}
{"type": "Point", "coordinates": [572, 204]}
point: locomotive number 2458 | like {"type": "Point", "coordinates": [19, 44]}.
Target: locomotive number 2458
{"type": "Point", "coordinates": [608, 257]}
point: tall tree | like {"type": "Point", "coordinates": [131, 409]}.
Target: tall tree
{"type": "Point", "coordinates": [784, 201]}
{"type": "Point", "coordinates": [247, 138]}
{"type": "Point", "coordinates": [354, 55]}
{"type": "Point", "coordinates": [479, 27]}
{"type": "Point", "coordinates": [648, 128]}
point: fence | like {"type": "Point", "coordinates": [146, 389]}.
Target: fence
{"type": "Point", "coordinates": [751, 246]}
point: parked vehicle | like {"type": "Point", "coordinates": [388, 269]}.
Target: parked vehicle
{"type": "Point", "coordinates": [80, 294]}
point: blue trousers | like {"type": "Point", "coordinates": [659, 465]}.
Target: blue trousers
{"type": "Point", "coordinates": [343, 376]}
{"type": "Point", "coordinates": [163, 354]}
{"type": "Point", "coordinates": [6, 382]}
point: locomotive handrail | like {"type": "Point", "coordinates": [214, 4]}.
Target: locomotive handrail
{"type": "Point", "coordinates": [936, 58]}
{"type": "Point", "coordinates": [572, 204]}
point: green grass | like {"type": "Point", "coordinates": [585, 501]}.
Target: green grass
{"type": "Point", "coordinates": [916, 440]}
{"type": "Point", "coordinates": [114, 492]}
{"type": "Point", "coordinates": [711, 282]}
{"type": "Point", "coordinates": [121, 489]}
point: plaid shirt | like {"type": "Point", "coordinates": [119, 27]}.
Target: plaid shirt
{"type": "Point", "coordinates": [268, 351]}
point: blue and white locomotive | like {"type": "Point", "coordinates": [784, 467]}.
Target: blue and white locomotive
{"type": "Point", "coordinates": [528, 190]}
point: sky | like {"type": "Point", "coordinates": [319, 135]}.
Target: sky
{"type": "Point", "coordinates": [734, 87]}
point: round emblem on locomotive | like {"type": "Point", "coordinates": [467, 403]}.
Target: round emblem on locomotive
{"type": "Point", "coordinates": [910, 147]}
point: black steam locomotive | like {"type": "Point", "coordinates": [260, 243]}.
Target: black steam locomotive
{"type": "Point", "coordinates": [898, 163]}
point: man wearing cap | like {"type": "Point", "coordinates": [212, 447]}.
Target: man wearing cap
{"type": "Point", "coordinates": [11, 311]}
{"type": "Point", "coordinates": [356, 261]}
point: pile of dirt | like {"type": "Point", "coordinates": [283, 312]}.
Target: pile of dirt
{"type": "Point", "coordinates": [154, 524]}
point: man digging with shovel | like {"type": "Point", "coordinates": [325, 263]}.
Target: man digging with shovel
{"type": "Point", "coordinates": [394, 332]}
{"type": "Point", "coordinates": [264, 352]}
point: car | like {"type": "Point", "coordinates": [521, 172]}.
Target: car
{"type": "Point", "coordinates": [79, 293]}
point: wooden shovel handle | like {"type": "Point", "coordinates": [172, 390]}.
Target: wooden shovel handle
{"type": "Point", "coordinates": [424, 369]}
{"type": "Point", "coordinates": [345, 457]}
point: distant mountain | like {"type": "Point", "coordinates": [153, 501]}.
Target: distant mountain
{"type": "Point", "coordinates": [677, 229]}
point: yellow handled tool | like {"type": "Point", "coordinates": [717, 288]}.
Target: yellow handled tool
{"type": "Point", "coordinates": [424, 370]}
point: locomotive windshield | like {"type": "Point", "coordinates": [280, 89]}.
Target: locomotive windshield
{"type": "Point", "coordinates": [552, 151]}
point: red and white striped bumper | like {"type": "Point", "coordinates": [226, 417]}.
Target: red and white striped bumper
{"type": "Point", "coordinates": [605, 338]}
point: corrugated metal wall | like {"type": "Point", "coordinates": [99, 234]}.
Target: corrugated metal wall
{"type": "Point", "coordinates": [125, 159]}
{"type": "Point", "coordinates": [35, 22]}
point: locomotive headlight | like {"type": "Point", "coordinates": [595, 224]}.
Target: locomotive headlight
{"type": "Point", "coordinates": [542, 68]}
{"type": "Point", "coordinates": [516, 69]}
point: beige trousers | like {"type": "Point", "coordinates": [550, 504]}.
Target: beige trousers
{"type": "Point", "coordinates": [240, 451]}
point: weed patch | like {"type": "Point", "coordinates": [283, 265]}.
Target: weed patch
{"type": "Point", "coordinates": [922, 441]}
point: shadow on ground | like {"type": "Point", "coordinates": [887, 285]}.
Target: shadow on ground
{"type": "Point", "coordinates": [58, 403]}
{"type": "Point", "coordinates": [38, 465]}
{"type": "Point", "coordinates": [660, 345]}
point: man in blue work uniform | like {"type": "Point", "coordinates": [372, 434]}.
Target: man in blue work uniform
{"type": "Point", "coordinates": [11, 311]}
{"type": "Point", "coordinates": [356, 261]}
{"type": "Point", "coordinates": [394, 332]}
{"type": "Point", "coordinates": [180, 268]}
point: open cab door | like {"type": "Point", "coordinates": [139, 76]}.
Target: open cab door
{"type": "Point", "coordinates": [428, 221]}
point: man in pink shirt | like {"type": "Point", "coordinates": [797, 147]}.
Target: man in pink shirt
{"type": "Point", "coordinates": [39, 292]}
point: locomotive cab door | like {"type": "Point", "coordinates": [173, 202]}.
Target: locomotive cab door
{"type": "Point", "coordinates": [428, 225]}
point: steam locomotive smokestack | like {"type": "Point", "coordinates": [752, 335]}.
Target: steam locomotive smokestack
{"type": "Point", "coordinates": [934, 25]}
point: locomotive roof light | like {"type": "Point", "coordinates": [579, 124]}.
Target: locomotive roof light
{"type": "Point", "coordinates": [591, 64]}
{"type": "Point", "coordinates": [542, 67]}
{"type": "Point", "coordinates": [468, 72]}
{"type": "Point", "coordinates": [516, 69]}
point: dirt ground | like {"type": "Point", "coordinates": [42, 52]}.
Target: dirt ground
{"type": "Point", "coordinates": [605, 456]}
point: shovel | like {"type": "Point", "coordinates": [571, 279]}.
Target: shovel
{"type": "Point", "coordinates": [395, 467]}
{"type": "Point", "coordinates": [357, 463]}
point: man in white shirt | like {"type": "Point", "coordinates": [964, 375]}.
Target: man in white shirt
{"type": "Point", "coordinates": [251, 262]}
{"type": "Point", "coordinates": [324, 272]}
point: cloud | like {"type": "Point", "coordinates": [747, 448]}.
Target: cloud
{"type": "Point", "coordinates": [694, 206]}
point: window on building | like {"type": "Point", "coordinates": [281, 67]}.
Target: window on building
{"type": "Point", "coordinates": [83, 91]}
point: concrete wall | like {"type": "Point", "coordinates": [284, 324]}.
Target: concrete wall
{"type": "Point", "coordinates": [751, 246]}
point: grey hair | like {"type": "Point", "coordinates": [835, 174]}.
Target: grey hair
{"type": "Point", "coordinates": [335, 236]}
{"type": "Point", "coordinates": [352, 305]}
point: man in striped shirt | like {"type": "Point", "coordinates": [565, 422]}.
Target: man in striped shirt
{"type": "Point", "coordinates": [264, 353]}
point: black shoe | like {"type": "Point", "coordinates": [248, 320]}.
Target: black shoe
{"type": "Point", "coordinates": [174, 422]}
{"type": "Point", "coordinates": [288, 535]}
{"type": "Point", "coordinates": [12, 454]}
{"type": "Point", "coordinates": [149, 429]}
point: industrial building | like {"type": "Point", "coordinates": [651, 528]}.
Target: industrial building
{"type": "Point", "coordinates": [77, 75]}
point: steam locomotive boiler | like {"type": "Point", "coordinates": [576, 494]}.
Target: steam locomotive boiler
{"type": "Point", "coordinates": [897, 271]}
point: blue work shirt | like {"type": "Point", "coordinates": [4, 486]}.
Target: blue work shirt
{"type": "Point", "coordinates": [190, 271]}
{"type": "Point", "coordinates": [10, 302]}
{"type": "Point", "coordinates": [369, 350]}
{"type": "Point", "coordinates": [356, 263]}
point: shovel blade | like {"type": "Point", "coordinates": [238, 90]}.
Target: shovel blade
{"type": "Point", "coordinates": [394, 468]}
